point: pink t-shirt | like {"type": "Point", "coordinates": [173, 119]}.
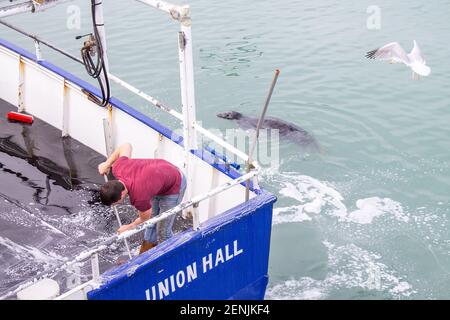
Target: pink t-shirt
{"type": "Point", "coordinates": [146, 178]}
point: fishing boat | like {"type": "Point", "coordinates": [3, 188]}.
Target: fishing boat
{"type": "Point", "coordinates": [225, 254]}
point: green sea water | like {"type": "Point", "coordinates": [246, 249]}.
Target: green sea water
{"type": "Point", "coordinates": [369, 217]}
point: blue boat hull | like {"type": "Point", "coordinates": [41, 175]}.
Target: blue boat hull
{"type": "Point", "coordinates": [227, 258]}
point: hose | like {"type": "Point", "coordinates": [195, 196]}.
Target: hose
{"type": "Point", "coordinates": [97, 68]}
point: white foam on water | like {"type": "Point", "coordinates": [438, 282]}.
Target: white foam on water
{"type": "Point", "coordinates": [85, 216]}
{"type": "Point", "coordinates": [302, 289]}
{"type": "Point", "coordinates": [371, 208]}
{"type": "Point", "coordinates": [316, 197]}
{"type": "Point", "coordinates": [290, 214]}
{"type": "Point", "coordinates": [372, 223]}
{"type": "Point", "coordinates": [351, 267]}
{"type": "Point", "coordinates": [313, 196]}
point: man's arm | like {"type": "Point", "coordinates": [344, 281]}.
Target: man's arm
{"type": "Point", "coordinates": [143, 216]}
{"type": "Point", "coordinates": [122, 151]}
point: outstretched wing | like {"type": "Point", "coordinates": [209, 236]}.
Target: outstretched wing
{"type": "Point", "coordinates": [391, 51]}
{"type": "Point", "coordinates": [416, 54]}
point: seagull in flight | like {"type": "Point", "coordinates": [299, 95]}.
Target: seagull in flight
{"type": "Point", "coordinates": [394, 53]}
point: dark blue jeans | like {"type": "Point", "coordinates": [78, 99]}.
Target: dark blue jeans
{"type": "Point", "coordinates": [163, 229]}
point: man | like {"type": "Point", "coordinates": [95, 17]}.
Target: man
{"type": "Point", "coordinates": [153, 185]}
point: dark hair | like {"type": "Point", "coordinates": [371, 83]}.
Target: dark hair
{"type": "Point", "coordinates": [111, 192]}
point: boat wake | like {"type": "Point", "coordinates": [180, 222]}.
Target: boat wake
{"type": "Point", "coordinates": [350, 267]}
{"type": "Point", "coordinates": [371, 245]}
{"type": "Point", "coordinates": [314, 197]}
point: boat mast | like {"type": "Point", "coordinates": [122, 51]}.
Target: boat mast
{"type": "Point", "coordinates": [182, 15]}
{"type": "Point", "coordinates": [188, 105]}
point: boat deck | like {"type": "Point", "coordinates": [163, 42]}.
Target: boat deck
{"type": "Point", "coordinates": [49, 207]}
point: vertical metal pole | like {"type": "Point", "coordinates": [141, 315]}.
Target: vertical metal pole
{"type": "Point", "coordinates": [74, 279]}
{"type": "Point", "coordinates": [100, 24]}
{"type": "Point", "coordinates": [212, 200]}
{"type": "Point", "coordinates": [188, 103]}
{"type": "Point", "coordinates": [95, 267]}
{"type": "Point", "coordinates": [65, 111]}
{"type": "Point", "coordinates": [158, 143]}
{"type": "Point", "coordinates": [184, 96]}
{"type": "Point", "coordinates": [108, 136]}
{"type": "Point", "coordinates": [108, 144]}
{"type": "Point", "coordinates": [258, 127]}
{"type": "Point", "coordinates": [38, 51]}
{"type": "Point", "coordinates": [21, 92]}
{"type": "Point", "coordinates": [189, 66]}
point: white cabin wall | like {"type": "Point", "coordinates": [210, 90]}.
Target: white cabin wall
{"type": "Point", "coordinates": [85, 120]}
{"type": "Point", "coordinates": [43, 95]}
{"type": "Point", "coordinates": [9, 76]}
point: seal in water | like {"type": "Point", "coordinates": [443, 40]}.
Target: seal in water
{"type": "Point", "coordinates": [286, 129]}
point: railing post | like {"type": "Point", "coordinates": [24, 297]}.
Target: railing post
{"type": "Point", "coordinates": [21, 87]}
{"type": "Point", "coordinates": [190, 88]}
{"type": "Point", "coordinates": [38, 51]}
{"type": "Point", "coordinates": [95, 267]}
{"type": "Point", "coordinates": [65, 110]}
{"type": "Point", "coordinates": [188, 105]}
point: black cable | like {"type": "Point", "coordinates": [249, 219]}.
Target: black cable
{"type": "Point", "coordinates": [95, 69]}
{"type": "Point", "coordinates": [106, 97]}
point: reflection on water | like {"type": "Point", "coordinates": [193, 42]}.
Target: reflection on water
{"type": "Point", "coordinates": [231, 58]}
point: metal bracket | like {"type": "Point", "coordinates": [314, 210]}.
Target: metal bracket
{"type": "Point", "coordinates": [250, 166]}
{"type": "Point", "coordinates": [181, 40]}
{"type": "Point", "coordinates": [91, 97]}
{"type": "Point", "coordinates": [38, 51]}
{"type": "Point", "coordinates": [181, 14]}
{"type": "Point", "coordinates": [35, 4]}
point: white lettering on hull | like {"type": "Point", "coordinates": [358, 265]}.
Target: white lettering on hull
{"type": "Point", "coordinates": [184, 276]}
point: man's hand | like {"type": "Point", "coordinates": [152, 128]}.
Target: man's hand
{"type": "Point", "coordinates": [103, 168]}
{"type": "Point", "coordinates": [124, 228]}
{"type": "Point", "coordinates": [143, 216]}
{"type": "Point", "coordinates": [124, 150]}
